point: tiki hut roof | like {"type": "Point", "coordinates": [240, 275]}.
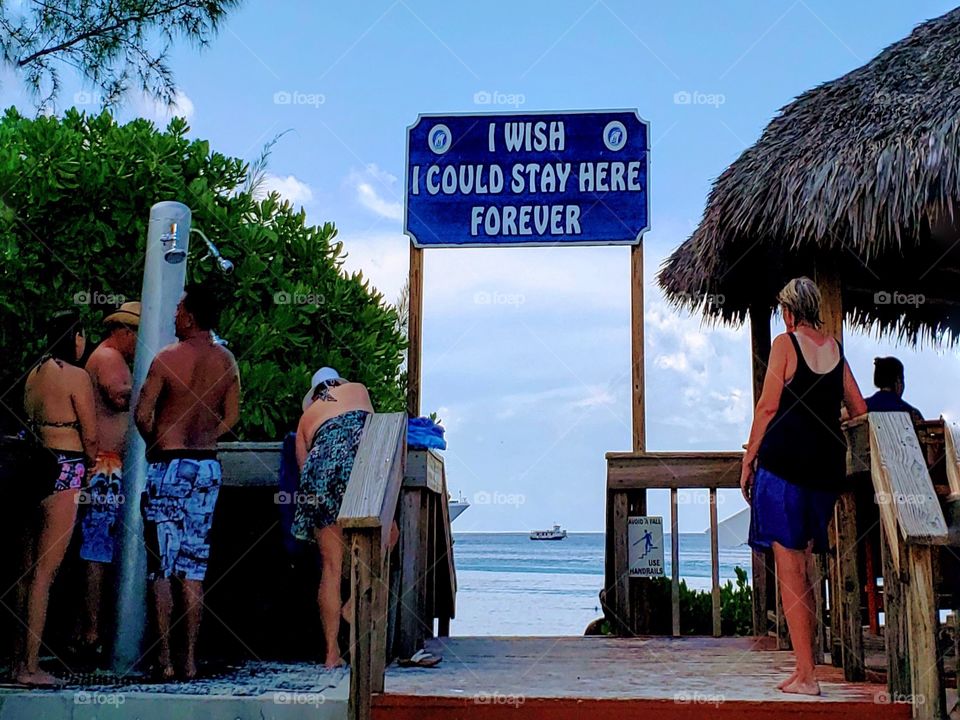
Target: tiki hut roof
{"type": "Point", "coordinates": [859, 175]}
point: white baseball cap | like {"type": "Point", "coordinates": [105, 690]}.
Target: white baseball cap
{"type": "Point", "coordinates": [322, 375]}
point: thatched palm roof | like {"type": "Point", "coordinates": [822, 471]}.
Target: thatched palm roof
{"type": "Point", "coordinates": [861, 174]}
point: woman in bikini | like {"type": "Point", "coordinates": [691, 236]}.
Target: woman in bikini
{"type": "Point", "coordinates": [59, 405]}
{"type": "Point", "coordinates": [795, 461]}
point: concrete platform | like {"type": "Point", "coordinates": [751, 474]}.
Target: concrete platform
{"type": "Point", "coordinates": [252, 691]}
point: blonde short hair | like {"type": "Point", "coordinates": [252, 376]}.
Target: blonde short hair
{"type": "Point", "coordinates": [801, 296]}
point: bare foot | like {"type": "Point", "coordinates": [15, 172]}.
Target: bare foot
{"type": "Point", "coordinates": [802, 686]}
{"type": "Point", "coordinates": [783, 683]}
{"type": "Point", "coordinates": [164, 672]}
{"type": "Point", "coordinates": [189, 670]}
{"type": "Point", "coordinates": [333, 661]}
{"type": "Point", "coordinates": [38, 678]}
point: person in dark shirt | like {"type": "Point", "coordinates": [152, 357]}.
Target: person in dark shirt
{"type": "Point", "coordinates": [888, 377]}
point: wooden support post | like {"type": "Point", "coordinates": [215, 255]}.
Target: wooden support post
{"type": "Point", "coordinates": [367, 585]}
{"type": "Point", "coordinates": [895, 624]}
{"type": "Point", "coordinates": [762, 561]}
{"type": "Point", "coordinates": [715, 562]}
{"type": "Point", "coordinates": [415, 331]}
{"type": "Point", "coordinates": [845, 597]}
{"type": "Point", "coordinates": [926, 669]}
{"type": "Point", "coordinates": [638, 403]}
{"type": "Point", "coordinates": [849, 590]}
{"type": "Point", "coordinates": [410, 574]}
{"type": "Point", "coordinates": [818, 573]}
{"type": "Point", "coordinates": [674, 562]}
{"type": "Point", "coordinates": [618, 562]}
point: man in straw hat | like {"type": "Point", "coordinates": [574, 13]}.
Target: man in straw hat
{"type": "Point", "coordinates": [109, 369]}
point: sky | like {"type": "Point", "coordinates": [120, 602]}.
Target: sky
{"type": "Point", "coordinates": [534, 389]}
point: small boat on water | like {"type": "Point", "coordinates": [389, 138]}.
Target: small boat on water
{"type": "Point", "coordinates": [457, 506]}
{"type": "Point", "coordinates": [555, 534]}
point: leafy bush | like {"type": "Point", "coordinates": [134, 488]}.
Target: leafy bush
{"type": "Point", "coordinates": [696, 608]}
{"type": "Point", "coordinates": [76, 196]}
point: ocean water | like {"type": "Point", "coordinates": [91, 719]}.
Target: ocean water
{"type": "Point", "coordinates": [508, 584]}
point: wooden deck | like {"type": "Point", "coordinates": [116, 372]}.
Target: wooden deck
{"type": "Point", "coordinates": [599, 678]}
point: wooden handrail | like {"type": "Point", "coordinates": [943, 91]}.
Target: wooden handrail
{"type": "Point", "coordinates": [393, 608]}
{"type": "Point", "coordinates": [952, 457]}
{"type": "Point", "coordinates": [911, 520]}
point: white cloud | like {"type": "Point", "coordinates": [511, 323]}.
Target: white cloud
{"type": "Point", "coordinates": [290, 188]}
{"type": "Point", "coordinates": [159, 111]}
{"type": "Point", "coordinates": [369, 184]}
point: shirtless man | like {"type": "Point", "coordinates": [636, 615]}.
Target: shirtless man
{"type": "Point", "coordinates": [109, 370]}
{"type": "Point", "coordinates": [189, 400]}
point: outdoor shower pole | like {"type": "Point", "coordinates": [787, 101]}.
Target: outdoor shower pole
{"type": "Point", "coordinates": [164, 273]}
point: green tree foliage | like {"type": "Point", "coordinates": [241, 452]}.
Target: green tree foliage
{"type": "Point", "coordinates": [76, 196]}
{"type": "Point", "coordinates": [114, 44]}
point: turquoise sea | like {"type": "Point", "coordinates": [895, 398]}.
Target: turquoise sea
{"type": "Point", "coordinates": [511, 585]}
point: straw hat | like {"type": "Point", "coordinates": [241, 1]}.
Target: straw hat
{"type": "Point", "coordinates": [128, 314]}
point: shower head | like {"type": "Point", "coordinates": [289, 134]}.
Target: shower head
{"type": "Point", "coordinates": [172, 253]}
{"type": "Point", "coordinates": [226, 266]}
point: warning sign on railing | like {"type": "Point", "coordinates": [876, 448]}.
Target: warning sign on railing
{"type": "Point", "coordinates": [645, 539]}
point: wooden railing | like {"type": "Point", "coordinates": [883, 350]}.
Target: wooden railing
{"type": "Point", "coordinates": [394, 603]}
{"type": "Point", "coordinates": [912, 523]}
{"type": "Point", "coordinates": [629, 476]}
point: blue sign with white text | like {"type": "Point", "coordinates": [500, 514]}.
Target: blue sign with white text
{"type": "Point", "coordinates": [564, 178]}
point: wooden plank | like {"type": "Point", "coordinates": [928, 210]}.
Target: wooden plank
{"type": "Point", "coordinates": [857, 433]}
{"type": "Point", "coordinates": [639, 614]}
{"type": "Point", "coordinates": [926, 666]}
{"type": "Point", "coordinates": [415, 331]}
{"type": "Point", "coordinates": [818, 574]}
{"type": "Point", "coordinates": [364, 557]}
{"type": "Point", "coordinates": [903, 488]}
{"type": "Point", "coordinates": [641, 471]}
{"type": "Point", "coordinates": [895, 624]}
{"type": "Point", "coordinates": [424, 468]}
{"type": "Point", "coordinates": [674, 562]}
{"type": "Point", "coordinates": [447, 559]}
{"type": "Point", "coordinates": [372, 491]}
{"type": "Point", "coordinates": [425, 628]}
{"type": "Point", "coordinates": [638, 396]}
{"type": "Point", "coordinates": [618, 597]}
{"type": "Point", "coordinates": [250, 464]}
{"type": "Point", "coordinates": [849, 589]}
{"type": "Point", "coordinates": [780, 619]}
{"type": "Point", "coordinates": [760, 353]}
{"type": "Point", "coordinates": [952, 460]}
{"type": "Point", "coordinates": [715, 562]}
{"type": "Point", "coordinates": [410, 573]}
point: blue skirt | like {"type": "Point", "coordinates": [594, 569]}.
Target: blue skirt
{"type": "Point", "coordinates": [789, 514]}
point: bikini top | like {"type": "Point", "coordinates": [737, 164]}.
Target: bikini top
{"type": "Point", "coordinates": [36, 424]}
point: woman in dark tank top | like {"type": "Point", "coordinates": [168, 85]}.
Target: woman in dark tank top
{"type": "Point", "coordinates": [794, 464]}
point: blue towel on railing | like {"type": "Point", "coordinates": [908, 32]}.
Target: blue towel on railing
{"type": "Point", "coordinates": [423, 433]}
